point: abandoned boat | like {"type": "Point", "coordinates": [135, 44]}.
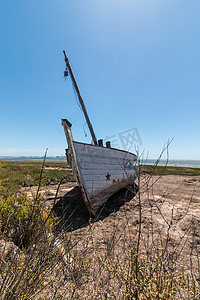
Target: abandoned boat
{"type": "Point", "coordinates": [100, 171]}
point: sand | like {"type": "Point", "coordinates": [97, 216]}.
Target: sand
{"type": "Point", "coordinates": [167, 202]}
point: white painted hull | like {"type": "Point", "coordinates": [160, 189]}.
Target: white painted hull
{"type": "Point", "coordinates": [100, 171]}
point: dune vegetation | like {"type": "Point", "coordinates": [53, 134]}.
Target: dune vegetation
{"type": "Point", "coordinates": [136, 260]}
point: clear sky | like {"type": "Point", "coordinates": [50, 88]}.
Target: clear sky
{"type": "Point", "coordinates": [137, 64]}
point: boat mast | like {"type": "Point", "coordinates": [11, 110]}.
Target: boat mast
{"type": "Point", "coordinates": [68, 67]}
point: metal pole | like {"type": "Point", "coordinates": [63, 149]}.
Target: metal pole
{"type": "Point", "coordinates": [80, 99]}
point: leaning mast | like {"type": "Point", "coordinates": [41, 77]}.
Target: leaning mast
{"type": "Point", "coordinates": [68, 68]}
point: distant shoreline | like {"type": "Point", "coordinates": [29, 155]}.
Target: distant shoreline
{"type": "Point", "coordinates": [162, 162]}
{"type": "Point", "coordinates": [32, 158]}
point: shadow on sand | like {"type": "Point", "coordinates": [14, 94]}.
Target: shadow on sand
{"type": "Point", "coordinates": [73, 213]}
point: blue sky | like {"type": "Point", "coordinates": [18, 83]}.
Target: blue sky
{"type": "Point", "coordinates": [137, 64]}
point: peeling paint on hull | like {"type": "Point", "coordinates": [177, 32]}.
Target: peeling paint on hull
{"type": "Point", "coordinates": [99, 171]}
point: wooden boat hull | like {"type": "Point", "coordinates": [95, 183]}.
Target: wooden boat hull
{"type": "Point", "coordinates": [99, 171]}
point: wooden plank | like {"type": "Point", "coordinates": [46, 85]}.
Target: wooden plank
{"type": "Point", "coordinates": [110, 154]}
{"type": "Point", "coordinates": [94, 163]}
{"type": "Point", "coordinates": [103, 178]}
{"type": "Point", "coordinates": [99, 198]}
{"type": "Point", "coordinates": [93, 166]}
{"type": "Point", "coordinates": [93, 151]}
{"type": "Point", "coordinates": [104, 160]}
{"type": "Point", "coordinates": [93, 185]}
{"type": "Point", "coordinates": [88, 149]}
{"type": "Point", "coordinates": [113, 172]}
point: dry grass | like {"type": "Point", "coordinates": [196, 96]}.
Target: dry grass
{"type": "Point", "coordinates": [135, 253]}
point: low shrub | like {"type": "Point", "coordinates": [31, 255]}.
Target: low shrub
{"type": "Point", "coordinates": [22, 219]}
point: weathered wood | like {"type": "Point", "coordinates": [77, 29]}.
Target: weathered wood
{"type": "Point", "coordinates": [72, 159]}
{"type": "Point", "coordinates": [104, 171]}
{"type": "Point", "coordinates": [100, 171]}
{"type": "Point", "coordinates": [80, 99]}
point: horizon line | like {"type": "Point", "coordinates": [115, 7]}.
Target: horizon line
{"type": "Point", "coordinates": [61, 156]}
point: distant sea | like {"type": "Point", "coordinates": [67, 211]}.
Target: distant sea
{"type": "Point", "coordinates": [178, 163]}
{"type": "Point", "coordinates": [34, 158]}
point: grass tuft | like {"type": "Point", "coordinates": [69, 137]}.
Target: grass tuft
{"type": "Point", "coordinates": [134, 262]}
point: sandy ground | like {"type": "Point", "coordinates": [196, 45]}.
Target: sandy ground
{"type": "Point", "coordinates": [170, 224]}
{"type": "Point", "coordinates": [168, 203]}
